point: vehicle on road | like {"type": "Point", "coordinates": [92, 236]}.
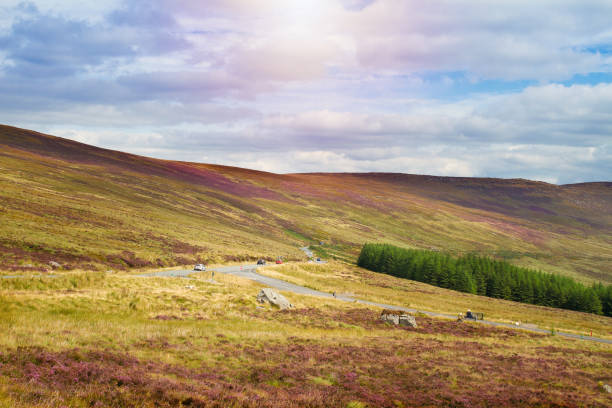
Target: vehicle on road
{"type": "Point", "coordinates": [318, 259]}
{"type": "Point", "coordinates": [261, 262]}
{"type": "Point", "coordinates": [199, 267]}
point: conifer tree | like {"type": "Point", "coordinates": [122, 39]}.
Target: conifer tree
{"type": "Point", "coordinates": [486, 276]}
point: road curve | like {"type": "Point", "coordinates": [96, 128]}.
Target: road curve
{"type": "Point", "coordinates": [250, 272]}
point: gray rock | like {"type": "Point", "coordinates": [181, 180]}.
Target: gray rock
{"type": "Point", "coordinates": [407, 320]}
{"type": "Point", "coordinates": [397, 317]}
{"type": "Point", "coordinates": [606, 388]}
{"type": "Point", "coordinates": [54, 264]}
{"type": "Point", "coordinates": [271, 296]}
{"type": "Point", "coordinates": [392, 318]}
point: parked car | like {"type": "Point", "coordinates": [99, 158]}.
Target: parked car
{"type": "Point", "coordinates": [261, 262]}
{"type": "Point", "coordinates": [278, 261]}
{"type": "Point", "coordinates": [199, 267]}
{"type": "Point", "coordinates": [318, 259]}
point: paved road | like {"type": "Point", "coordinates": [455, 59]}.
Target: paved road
{"type": "Point", "coordinates": [308, 252]}
{"type": "Point", "coordinates": [311, 256]}
{"type": "Point", "coordinates": [250, 272]}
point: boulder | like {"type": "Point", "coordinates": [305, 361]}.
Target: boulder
{"type": "Point", "coordinates": [398, 317]}
{"type": "Point", "coordinates": [271, 296]}
{"type": "Point", "coordinates": [54, 264]}
{"type": "Point", "coordinates": [606, 388]}
{"type": "Point", "coordinates": [407, 320]}
{"type": "Point", "coordinates": [392, 318]}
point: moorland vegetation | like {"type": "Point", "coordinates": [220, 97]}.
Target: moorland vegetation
{"type": "Point", "coordinates": [88, 208]}
{"type": "Point", "coordinates": [117, 340]}
{"type": "Point", "coordinates": [95, 335]}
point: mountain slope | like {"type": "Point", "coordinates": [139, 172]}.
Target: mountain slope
{"type": "Point", "coordinates": [94, 208]}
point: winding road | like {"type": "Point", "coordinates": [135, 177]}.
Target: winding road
{"type": "Point", "coordinates": [250, 272]}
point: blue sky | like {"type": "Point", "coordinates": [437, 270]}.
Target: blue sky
{"type": "Point", "coordinates": [473, 88]}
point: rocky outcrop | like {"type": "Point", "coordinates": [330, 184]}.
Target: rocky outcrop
{"type": "Point", "coordinates": [397, 317]}
{"type": "Point", "coordinates": [269, 295]}
{"type": "Point", "coordinates": [54, 265]}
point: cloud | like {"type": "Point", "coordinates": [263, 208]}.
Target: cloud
{"type": "Point", "coordinates": [509, 40]}
{"type": "Point", "coordinates": [550, 114]}
{"type": "Point", "coordinates": [48, 46]}
{"type": "Point", "coordinates": [356, 5]}
{"type": "Point", "coordinates": [497, 136]}
{"type": "Point", "coordinates": [281, 59]}
{"type": "Point", "coordinates": [346, 85]}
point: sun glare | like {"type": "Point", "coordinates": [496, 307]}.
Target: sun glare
{"type": "Point", "coordinates": [306, 10]}
{"type": "Point", "coordinates": [304, 17]}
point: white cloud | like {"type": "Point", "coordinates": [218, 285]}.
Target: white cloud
{"type": "Point", "coordinates": [549, 114]}
{"type": "Point", "coordinates": [509, 39]}
{"type": "Point", "coordinates": [316, 85]}
{"type": "Point", "coordinates": [351, 161]}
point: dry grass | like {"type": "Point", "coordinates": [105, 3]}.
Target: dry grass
{"type": "Point", "coordinates": [363, 284]}
{"type": "Point", "coordinates": [122, 341]}
{"type": "Point", "coordinates": [89, 208]}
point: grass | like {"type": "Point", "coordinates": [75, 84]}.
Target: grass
{"type": "Point", "coordinates": [297, 235]}
{"type": "Point", "coordinates": [123, 341]}
{"type": "Point", "coordinates": [363, 284]}
{"type": "Point", "coordinates": [92, 338]}
{"type": "Point", "coordinates": [94, 209]}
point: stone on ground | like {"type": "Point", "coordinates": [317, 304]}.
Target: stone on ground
{"type": "Point", "coordinates": [54, 264]}
{"type": "Point", "coordinates": [274, 298]}
{"type": "Point", "coordinates": [397, 317]}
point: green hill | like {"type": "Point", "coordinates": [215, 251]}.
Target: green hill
{"type": "Point", "coordinates": [92, 208]}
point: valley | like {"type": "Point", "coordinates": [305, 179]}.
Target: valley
{"type": "Point", "coordinates": [90, 208]}
{"type": "Point", "coordinates": [108, 311]}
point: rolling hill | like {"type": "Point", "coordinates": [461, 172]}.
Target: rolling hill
{"type": "Point", "coordinates": [91, 208]}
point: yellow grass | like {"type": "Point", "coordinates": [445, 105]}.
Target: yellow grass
{"type": "Point", "coordinates": [347, 279]}
{"type": "Point", "coordinates": [120, 312]}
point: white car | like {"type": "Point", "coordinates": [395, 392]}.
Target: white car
{"type": "Point", "coordinates": [199, 267]}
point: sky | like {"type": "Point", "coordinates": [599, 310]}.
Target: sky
{"type": "Point", "coordinates": [511, 89]}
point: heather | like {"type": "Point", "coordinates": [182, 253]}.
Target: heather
{"type": "Point", "coordinates": [94, 209]}
{"type": "Point", "coordinates": [115, 340]}
{"type": "Point", "coordinates": [345, 279]}
{"type": "Point", "coordinates": [488, 277]}
{"type": "Point", "coordinates": [398, 372]}
{"type": "Point", "coordinates": [79, 328]}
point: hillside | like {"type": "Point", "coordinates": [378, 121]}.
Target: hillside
{"type": "Point", "coordinates": [92, 208]}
